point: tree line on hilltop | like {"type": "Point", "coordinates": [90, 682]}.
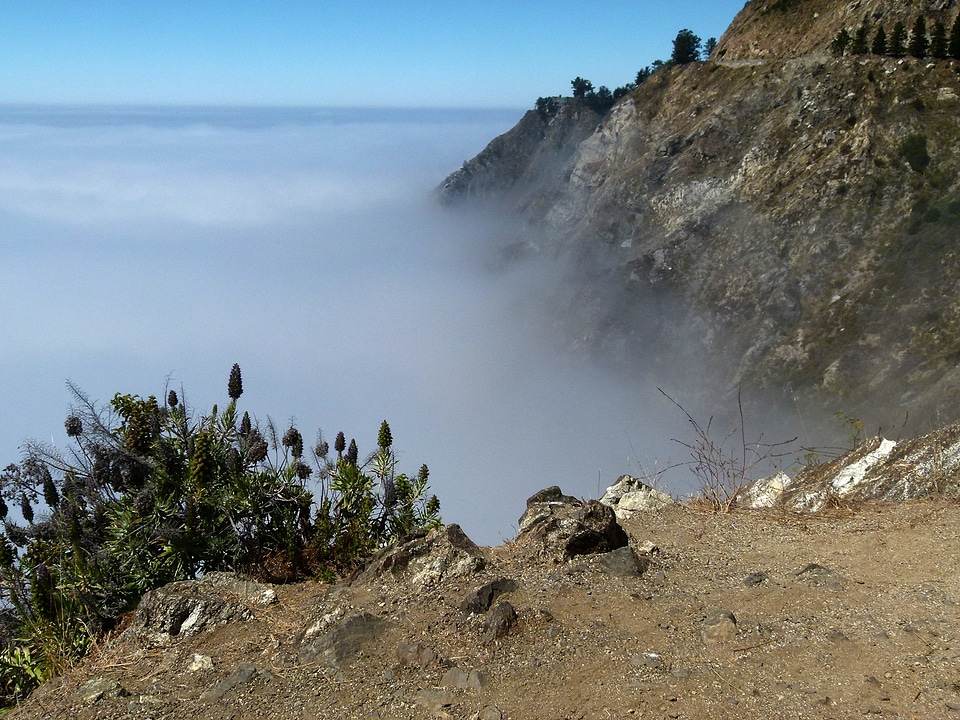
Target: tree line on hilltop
{"type": "Point", "coordinates": [687, 48]}
{"type": "Point", "coordinates": [918, 43]}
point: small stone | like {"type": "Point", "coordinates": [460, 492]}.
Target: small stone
{"type": "Point", "coordinates": [94, 690]}
{"type": "Point", "coordinates": [754, 579]}
{"type": "Point", "coordinates": [499, 621]}
{"type": "Point", "coordinates": [719, 626]}
{"type": "Point", "coordinates": [435, 700]}
{"type": "Point", "coordinates": [480, 600]}
{"type": "Point", "coordinates": [490, 712]}
{"type": "Point", "coordinates": [462, 679]}
{"type": "Point", "coordinates": [623, 562]}
{"type": "Point", "coordinates": [650, 660]}
{"type": "Point", "coordinates": [199, 662]}
{"type": "Point", "coordinates": [417, 655]}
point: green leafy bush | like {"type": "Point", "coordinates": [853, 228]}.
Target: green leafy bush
{"type": "Point", "coordinates": [147, 494]}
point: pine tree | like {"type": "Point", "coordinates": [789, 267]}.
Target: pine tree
{"type": "Point", "coordinates": [919, 43]}
{"type": "Point", "coordinates": [686, 48]}
{"type": "Point", "coordinates": [953, 49]}
{"type": "Point", "coordinates": [860, 45]}
{"type": "Point", "coordinates": [879, 46]}
{"type": "Point", "coordinates": [938, 41]}
{"type": "Point", "coordinates": [840, 42]}
{"type": "Point", "coordinates": [897, 46]}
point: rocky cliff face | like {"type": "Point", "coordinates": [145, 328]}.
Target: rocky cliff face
{"type": "Point", "coordinates": [799, 210]}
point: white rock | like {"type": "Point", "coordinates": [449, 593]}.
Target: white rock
{"type": "Point", "coordinates": [629, 495]}
{"type": "Point", "coordinates": [766, 492]}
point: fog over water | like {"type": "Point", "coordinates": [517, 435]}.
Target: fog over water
{"type": "Point", "coordinates": [305, 245]}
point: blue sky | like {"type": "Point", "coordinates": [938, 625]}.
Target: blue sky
{"type": "Point", "coordinates": [401, 53]}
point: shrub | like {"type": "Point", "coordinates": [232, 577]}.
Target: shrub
{"type": "Point", "coordinates": [914, 151]}
{"type": "Point", "coordinates": [723, 467]}
{"type": "Point", "coordinates": [150, 493]}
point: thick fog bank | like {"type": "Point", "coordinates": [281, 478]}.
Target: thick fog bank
{"type": "Point", "coordinates": [307, 246]}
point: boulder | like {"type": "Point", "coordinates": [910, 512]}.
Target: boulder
{"type": "Point", "coordinates": [189, 607]}
{"type": "Point", "coordinates": [562, 526]}
{"type": "Point", "coordinates": [499, 621]}
{"type": "Point", "coordinates": [629, 495]}
{"type": "Point", "coordinates": [427, 558]}
{"type": "Point", "coordinates": [480, 600]}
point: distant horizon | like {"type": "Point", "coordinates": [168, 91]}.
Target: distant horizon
{"type": "Point", "coordinates": [240, 116]}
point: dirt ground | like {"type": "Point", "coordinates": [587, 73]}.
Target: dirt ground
{"type": "Point", "coordinates": [852, 612]}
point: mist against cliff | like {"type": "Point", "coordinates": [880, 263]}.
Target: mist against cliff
{"type": "Point", "coordinates": [144, 247]}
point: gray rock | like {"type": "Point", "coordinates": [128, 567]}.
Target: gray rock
{"type": "Point", "coordinates": [480, 600]}
{"type": "Point", "coordinates": [426, 559]}
{"type": "Point", "coordinates": [550, 495]}
{"type": "Point", "coordinates": [490, 712]}
{"type": "Point", "coordinates": [418, 655]}
{"type": "Point", "coordinates": [719, 626]}
{"type": "Point", "coordinates": [624, 562]}
{"type": "Point", "coordinates": [755, 579]}
{"type": "Point", "coordinates": [435, 700]}
{"type": "Point", "coordinates": [341, 644]}
{"type": "Point", "coordinates": [94, 690]}
{"type": "Point", "coordinates": [562, 526]}
{"type": "Point", "coordinates": [499, 621]}
{"type": "Point", "coordinates": [189, 607]}
{"type": "Point", "coordinates": [244, 673]}
{"type": "Point", "coordinates": [463, 679]}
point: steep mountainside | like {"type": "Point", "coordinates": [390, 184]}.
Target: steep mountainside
{"type": "Point", "coordinates": [797, 213]}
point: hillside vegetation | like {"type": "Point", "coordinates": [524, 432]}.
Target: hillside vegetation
{"type": "Point", "coordinates": [783, 214]}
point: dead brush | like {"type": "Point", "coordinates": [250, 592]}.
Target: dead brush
{"type": "Point", "coordinates": [724, 469]}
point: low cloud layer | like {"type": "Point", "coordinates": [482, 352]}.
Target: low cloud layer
{"type": "Point", "coordinates": [309, 250]}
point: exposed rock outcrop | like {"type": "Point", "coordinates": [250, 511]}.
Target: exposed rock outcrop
{"type": "Point", "coordinates": [762, 212]}
{"type": "Point", "coordinates": [561, 526]}
{"type": "Point", "coordinates": [189, 607]}
{"type": "Point", "coordinates": [879, 469]}
{"type": "Point", "coordinates": [629, 495]}
{"type": "Point", "coordinates": [428, 557]}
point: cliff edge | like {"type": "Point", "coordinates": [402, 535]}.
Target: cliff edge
{"type": "Point", "coordinates": [800, 210]}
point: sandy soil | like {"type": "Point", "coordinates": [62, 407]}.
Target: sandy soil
{"type": "Point", "coordinates": [853, 612]}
